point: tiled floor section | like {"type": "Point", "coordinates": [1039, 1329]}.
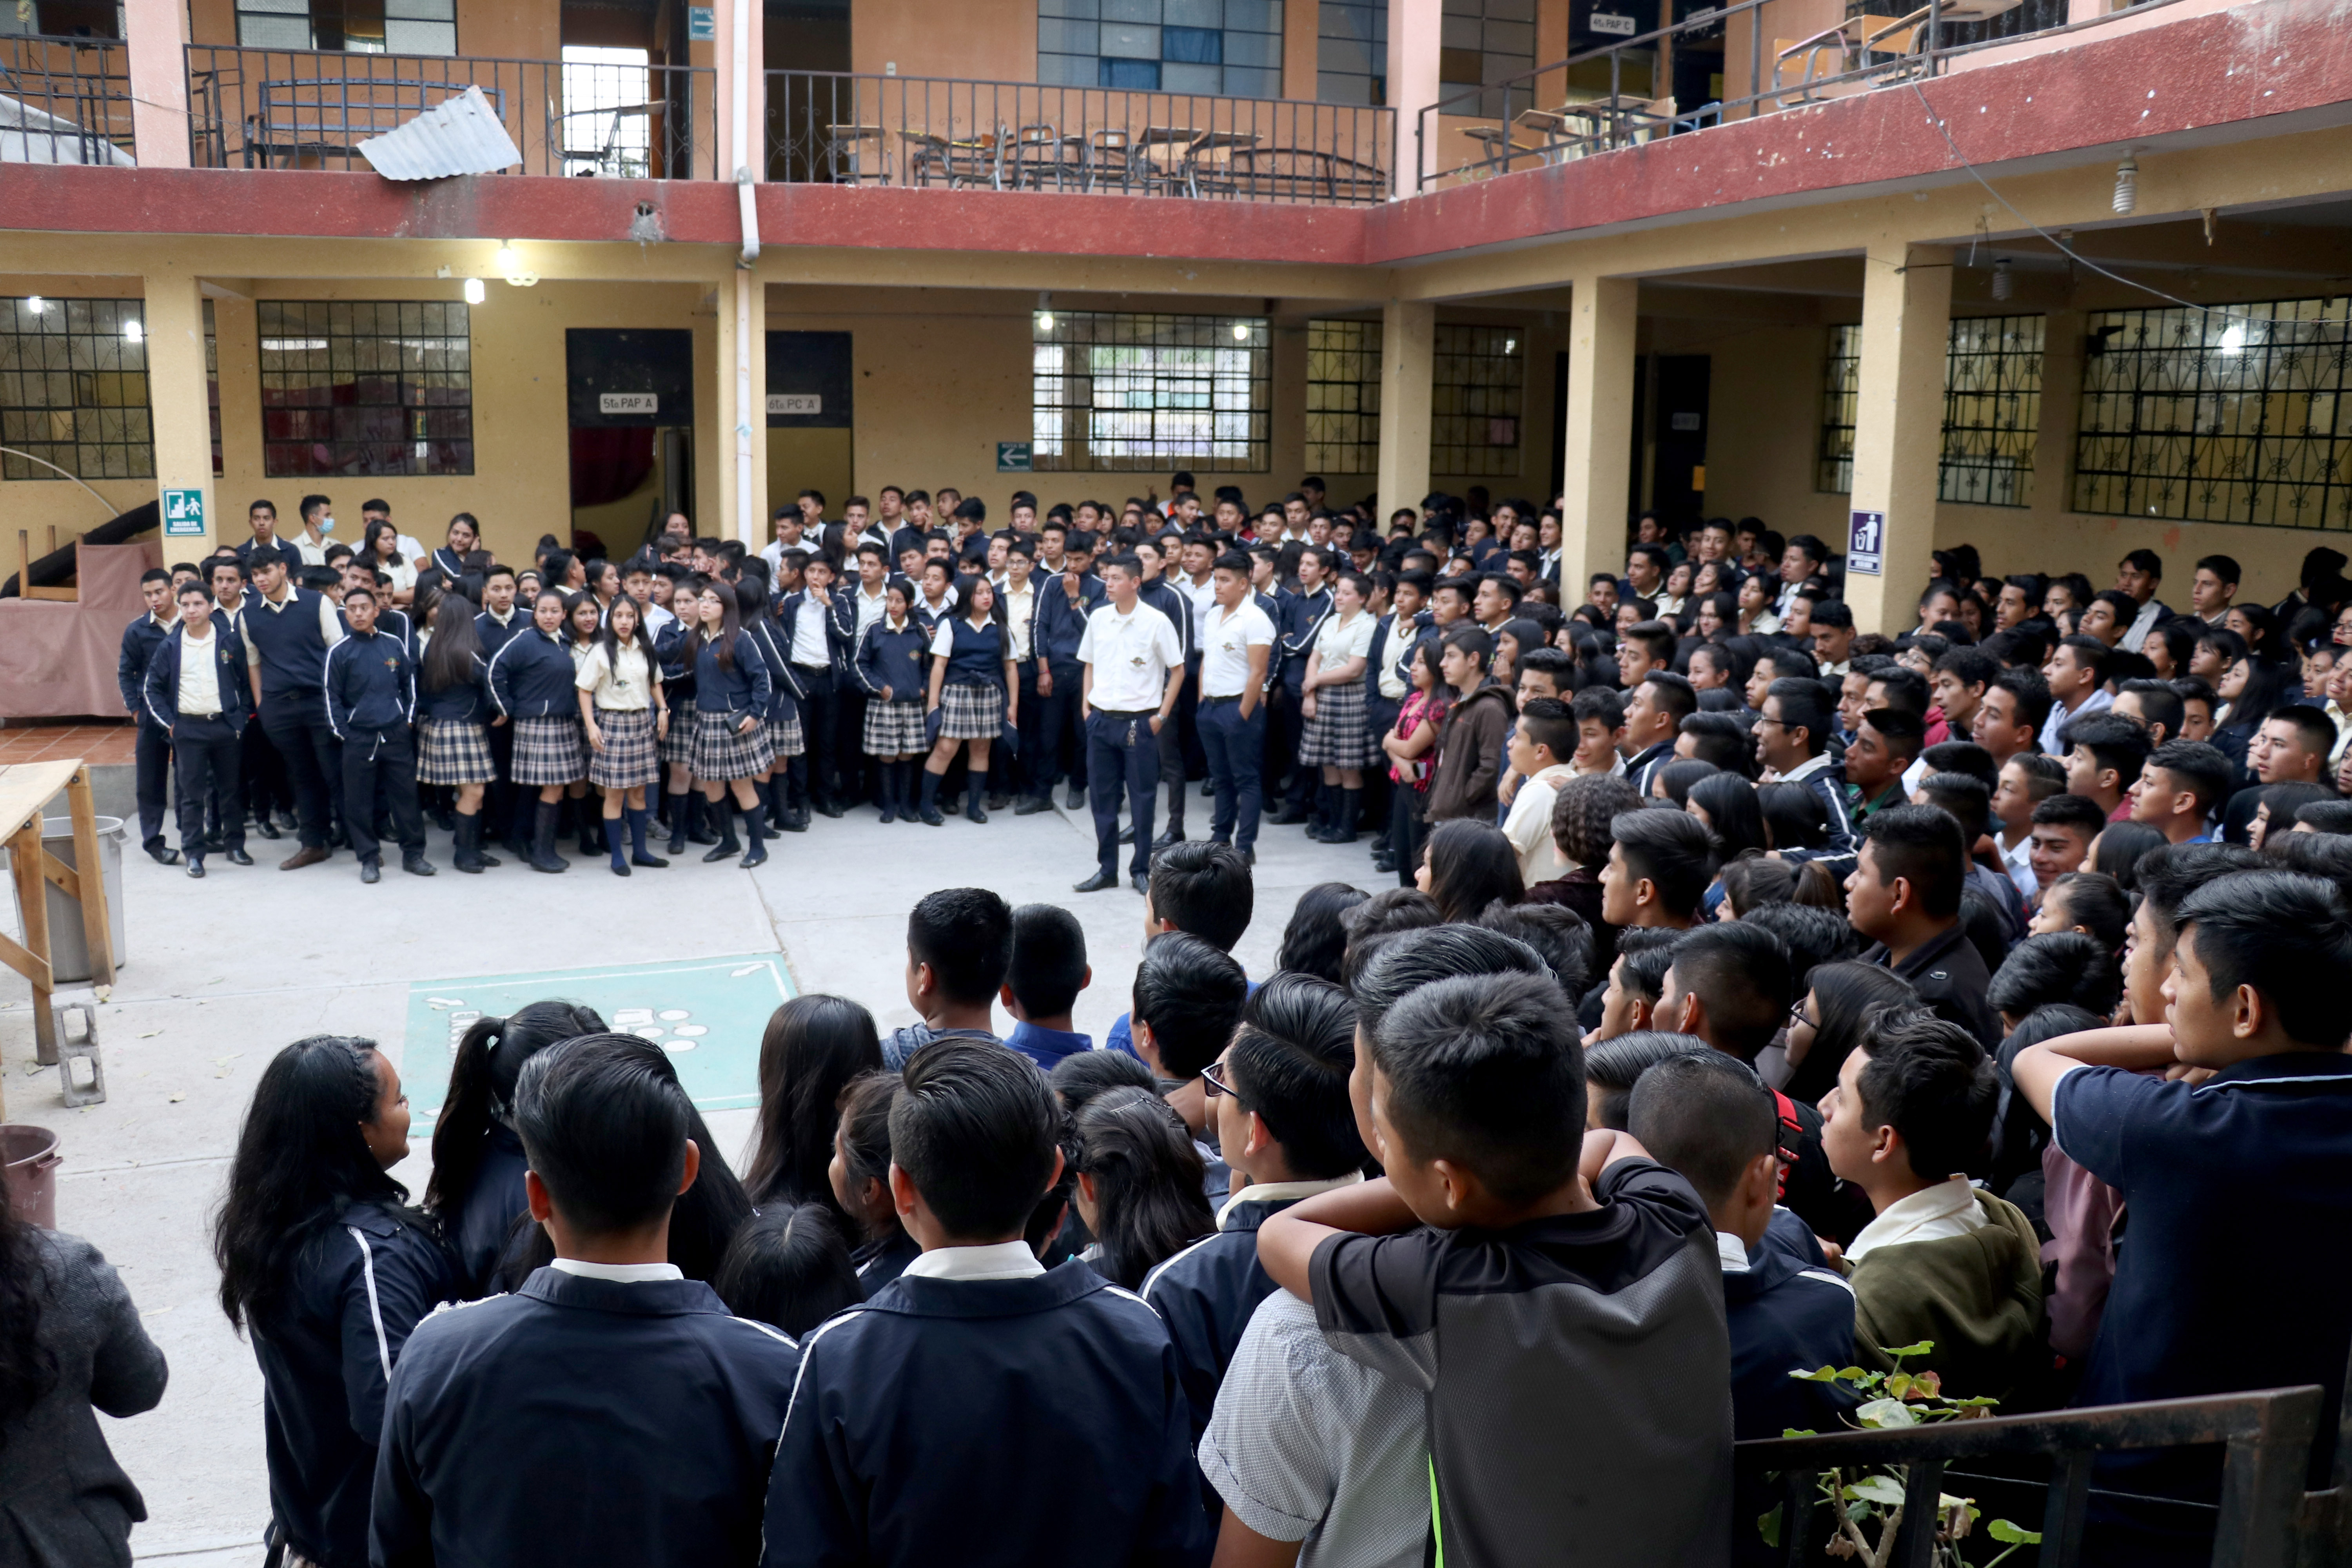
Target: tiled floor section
{"type": "Point", "coordinates": [96, 743]}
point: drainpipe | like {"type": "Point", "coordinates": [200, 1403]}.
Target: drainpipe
{"type": "Point", "coordinates": [745, 522]}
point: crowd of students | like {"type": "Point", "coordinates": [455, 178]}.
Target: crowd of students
{"type": "Point", "coordinates": [1477, 1226]}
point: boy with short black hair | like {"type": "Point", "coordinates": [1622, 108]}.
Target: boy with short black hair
{"type": "Point", "coordinates": [1188, 995]}
{"type": "Point", "coordinates": [2233, 1184]}
{"type": "Point", "coordinates": [1476, 1268]}
{"type": "Point", "coordinates": [959, 941]}
{"type": "Point", "coordinates": [2178, 789]}
{"type": "Point", "coordinates": [898, 1450]}
{"type": "Point", "coordinates": [1658, 867]}
{"type": "Point", "coordinates": [1599, 725]}
{"type": "Point", "coordinates": [2105, 752]}
{"type": "Point", "coordinates": [1943, 1261]}
{"type": "Point", "coordinates": [1047, 971]}
{"type": "Point", "coordinates": [1546, 724]}
{"type": "Point", "coordinates": [1905, 897]}
{"type": "Point", "coordinates": [2063, 827]}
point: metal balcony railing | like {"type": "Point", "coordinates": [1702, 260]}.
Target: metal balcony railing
{"type": "Point", "coordinates": [285, 109]}
{"type": "Point", "coordinates": [65, 101]}
{"type": "Point", "coordinates": [1681, 78]}
{"type": "Point", "coordinates": [841, 129]}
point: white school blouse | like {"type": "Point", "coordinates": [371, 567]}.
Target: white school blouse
{"type": "Point", "coordinates": [623, 686]}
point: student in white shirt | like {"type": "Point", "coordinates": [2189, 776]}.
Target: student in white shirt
{"type": "Point", "coordinates": [1336, 737]}
{"type": "Point", "coordinates": [1542, 747]}
{"type": "Point", "coordinates": [1134, 669]}
{"type": "Point", "coordinates": [1236, 643]}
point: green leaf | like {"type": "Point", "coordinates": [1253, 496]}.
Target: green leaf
{"type": "Point", "coordinates": [2000, 1529]}
{"type": "Point", "coordinates": [1767, 1525]}
{"type": "Point", "coordinates": [1885, 1412]}
{"type": "Point", "coordinates": [1922, 1348]}
{"type": "Point", "coordinates": [1852, 1373]}
{"type": "Point", "coordinates": [1820, 1374]}
{"type": "Point", "coordinates": [1899, 1385]}
{"type": "Point", "coordinates": [1799, 1432]}
{"type": "Point", "coordinates": [1880, 1490]}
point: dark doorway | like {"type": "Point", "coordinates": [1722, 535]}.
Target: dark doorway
{"type": "Point", "coordinates": [1678, 478]}
{"type": "Point", "coordinates": [630, 402]}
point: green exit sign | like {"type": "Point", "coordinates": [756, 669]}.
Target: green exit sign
{"type": "Point", "coordinates": [1012, 457]}
{"type": "Point", "coordinates": [183, 514]}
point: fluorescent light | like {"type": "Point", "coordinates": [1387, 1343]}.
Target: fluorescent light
{"type": "Point", "coordinates": [2234, 341]}
{"type": "Point", "coordinates": [292, 345]}
{"type": "Point", "coordinates": [474, 294]}
{"type": "Point", "coordinates": [134, 332]}
{"type": "Point", "coordinates": [1240, 331]}
{"type": "Point", "coordinates": [1045, 320]}
{"type": "Point", "coordinates": [35, 304]}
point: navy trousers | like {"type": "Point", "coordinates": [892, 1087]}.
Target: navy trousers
{"type": "Point", "coordinates": [1236, 752]}
{"type": "Point", "coordinates": [1122, 752]}
{"type": "Point", "coordinates": [206, 754]}
{"type": "Point", "coordinates": [296, 725]}
{"type": "Point", "coordinates": [153, 753]}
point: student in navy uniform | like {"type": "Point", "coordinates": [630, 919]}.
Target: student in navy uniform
{"type": "Point", "coordinates": [370, 685]}
{"type": "Point", "coordinates": [1047, 970]}
{"type": "Point", "coordinates": [530, 680]}
{"type": "Point", "coordinates": [897, 1440]}
{"type": "Point", "coordinates": [684, 809]}
{"type": "Point", "coordinates": [452, 749]}
{"type": "Point", "coordinates": [959, 941]}
{"type": "Point", "coordinates": [732, 692]}
{"type": "Point", "coordinates": [152, 743]}
{"type": "Point", "coordinates": [809, 629]}
{"type": "Point", "coordinates": [510, 811]}
{"type": "Point", "coordinates": [1710, 1117]}
{"type": "Point", "coordinates": [1299, 624]}
{"type": "Point", "coordinates": [476, 1191]}
{"type": "Point", "coordinates": [1278, 1096]}
{"type": "Point", "coordinates": [199, 688]}
{"type": "Point", "coordinates": [328, 1273]}
{"type": "Point", "coordinates": [1063, 605]}
{"type": "Point", "coordinates": [859, 1173]}
{"type": "Point", "coordinates": [293, 629]}
{"type": "Point", "coordinates": [889, 667]}
{"type": "Point", "coordinates": [609, 1373]}
{"type": "Point", "coordinates": [463, 537]}
{"type": "Point", "coordinates": [972, 685]}
{"type": "Point", "coordinates": [784, 785]}
{"type": "Point", "coordinates": [261, 773]}
{"type": "Point", "coordinates": [1163, 596]}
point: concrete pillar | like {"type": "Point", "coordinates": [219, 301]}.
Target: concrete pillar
{"type": "Point", "coordinates": [740, 297]}
{"type": "Point", "coordinates": [1301, 25]}
{"type": "Point", "coordinates": [1597, 474]}
{"type": "Point", "coordinates": [2062, 411]}
{"type": "Point", "coordinates": [156, 32]}
{"type": "Point", "coordinates": [1898, 437]}
{"type": "Point", "coordinates": [1414, 38]}
{"type": "Point", "coordinates": [178, 403]}
{"type": "Point", "coordinates": [237, 360]}
{"type": "Point", "coordinates": [1408, 338]}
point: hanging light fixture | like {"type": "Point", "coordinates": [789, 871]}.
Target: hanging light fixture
{"type": "Point", "coordinates": [474, 291]}
{"type": "Point", "coordinates": [134, 331]}
{"type": "Point", "coordinates": [1044, 310]}
{"type": "Point", "coordinates": [35, 304]}
{"type": "Point", "coordinates": [2127, 184]}
{"type": "Point", "coordinates": [1240, 331]}
{"type": "Point", "coordinates": [2003, 286]}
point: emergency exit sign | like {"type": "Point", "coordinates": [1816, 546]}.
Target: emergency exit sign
{"type": "Point", "coordinates": [183, 514]}
{"type": "Point", "coordinates": [1012, 457]}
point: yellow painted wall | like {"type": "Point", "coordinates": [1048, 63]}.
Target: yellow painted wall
{"type": "Point", "coordinates": [985, 40]}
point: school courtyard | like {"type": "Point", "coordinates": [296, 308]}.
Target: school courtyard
{"type": "Point", "coordinates": [222, 972]}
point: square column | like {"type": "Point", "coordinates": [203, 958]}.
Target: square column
{"type": "Point", "coordinates": [1898, 435]}
{"type": "Point", "coordinates": [1408, 355]}
{"type": "Point", "coordinates": [156, 34]}
{"type": "Point", "coordinates": [740, 435]}
{"type": "Point", "coordinates": [179, 403]}
{"type": "Point", "coordinates": [1415, 34]}
{"type": "Point", "coordinates": [1597, 474]}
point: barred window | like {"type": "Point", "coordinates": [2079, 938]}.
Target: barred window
{"type": "Point", "coordinates": [366, 387]}
{"type": "Point", "coordinates": [73, 389]}
{"type": "Point", "coordinates": [1478, 382]}
{"type": "Point", "coordinates": [1993, 407]}
{"type": "Point", "coordinates": [1483, 42]}
{"type": "Point", "coordinates": [2219, 416]}
{"type": "Point", "coordinates": [1841, 392]}
{"type": "Point", "coordinates": [212, 382]}
{"type": "Point", "coordinates": [1343, 397]}
{"type": "Point", "coordinates": [1114, 390]}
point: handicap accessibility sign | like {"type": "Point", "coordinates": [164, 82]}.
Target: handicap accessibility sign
{"type": "Point", "coordinates": [1866, 544]}
{"type": "Point", "coordinates": [183, 514]}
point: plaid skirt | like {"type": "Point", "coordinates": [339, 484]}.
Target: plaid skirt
{"type": "Point", "coordinates": [785, 737]}
{"type": "Point", "coordinates": [722, 753]}
{"type": "Point", "coordinates": [970, 713]}
{"type": "Point", "coordinates": [453, 752]}
{"type": "Point", "coordinates": [628, 759]}
{"type": "Point", "coordinates": [677, 746]}
{"type": "Point", "coordinates": [893, 728]}
{"type": "Point", "coordinates": [1338, 737]}
{"type": "Point", "coordinates": [549, 750]}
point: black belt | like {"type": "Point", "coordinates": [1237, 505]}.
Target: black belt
{"type": "Point", "coordinates": [1128, 712]}
{"type": "Point", "coordinates": [1235, 697]}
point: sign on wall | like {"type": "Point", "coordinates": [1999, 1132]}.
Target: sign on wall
{"type": "Point", "coordinates": [183, 514]}
{"type": "Point", "coordinates": [809, 381]}
{"type": "Point", "coordinates": [1012, 457]}
{"type": "Point", "coordinates": [804, 405]}
{"type": "Point", "coordinates": [1865, 543]}
{"type": "Point", "coordinates": [701, 24]}
{"type": "Point", "coordinates": [631, 376]}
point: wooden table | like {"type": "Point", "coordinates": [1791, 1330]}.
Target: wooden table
{"type": "Point", "coordinates": [25, 788]}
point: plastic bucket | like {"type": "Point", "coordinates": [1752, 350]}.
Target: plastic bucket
{"type": "Point", "coordinates": [68, 947]}
{"type": "Point", "coordinates": [28, 1172]}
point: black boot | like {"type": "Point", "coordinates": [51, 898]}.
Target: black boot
{"type": "Point", "coordinates": [889, 798]}
{"type": "Point", "coordinates": [755, 829]}
{"type": "Point", "coordinates": [771, 794]}
{"type": "Point", "coordinates": [592, 829]}
{"type": "Point", "coordinates": [728, 845]}
{"type": "Point", "coordinates": [702, 819]}
{"type": "Point", "coordinates": [1351, 804]}
{"type": "Point", "coordinates": [469, 844]}
{"type": "Point", "coordinates": [975, 788]}
{"type": "Point", "coordinates": [543, 856]}
{"type": "Point", "coordinates": [681, 811]}
{"type": "Point", "coordinates": [929, 810]}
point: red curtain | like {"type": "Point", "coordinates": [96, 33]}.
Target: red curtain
{"type": "Point", "coordinates": [607, 465]}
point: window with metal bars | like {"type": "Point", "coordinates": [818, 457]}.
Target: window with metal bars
{"type": "Point", "coordinates": [1117, 391]}
{"type": "Point", "coordinates": [1483, 42]}
{"type": "Point", "coordinates": [1993, 409]}
{"type": "Point", "coordinates": [1477, 384]}
{"type": "Point", "coordinates": [366, 387]}
{"type": "Point", "coordinates": [1343, 397]}
{"type": "Point", "coordinates": [1840, 385]}
{"type": "Point", "coordinates": [2238, 416]}
{"type": "Point", "coordinates": [212, 382]}
{"type": "Point", "coordinates": [73, 389]}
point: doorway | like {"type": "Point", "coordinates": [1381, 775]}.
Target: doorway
{"type": "Point", "coordinates": [811, 417]}
{"type": "Point", "coordinates": [631, 400]}
{"type": "Point", "coordinates": [1678, 438]}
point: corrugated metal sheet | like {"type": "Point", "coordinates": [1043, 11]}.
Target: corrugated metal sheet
{"type": "Point", "coordinates": [462, 136]}
{"type": "Point", "coordinates": [29, 135]}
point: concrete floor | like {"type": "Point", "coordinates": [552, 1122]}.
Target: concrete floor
{"type": "Point", "coordinates": [220, 974]}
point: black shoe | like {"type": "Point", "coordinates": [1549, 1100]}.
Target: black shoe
{"type": "Point", "coordinates": [1288, 817]}
{"type": "Point", "coordinates": [239, 858]}
{"type": "Point", "coordinates": [1126, 833]}
{"type": "Point", "coordinates": [1031, 804]}
{"type": "Point", "coordinates": [1140, 883]}
{"type": "Point", "coordinates": [196, 868]}
{"type": "Point", "coordinates": [369, 871]}
{"type": "Point", "coordinates": [1097, 883]}
{"type": "Point", "coordinates": [416, 865]}
{"type": "Point", "coordinates": [1000, 803]}
{"type": "Point", "coordinates": [1174, 834]}
{"type": "Point", "coordinates": [267, 828]}
{"type": "Point", "coordinates": [797, 821]}
{"type": "Point", "coordinates": [643, 858]}
{"type": "Point", "coordinates": [1075, 798]}
{"type": "Point", "coordinates": [161, 853]}
{"type": "Point", "coordinates": [286, 820]}
{"type": "Point", "coordinates": [340, 840]}
{"type": "Point", "coordinates": [829, 808]}
{"type": "Point", "coordinates": [215, 843]}
{"type": "Point", "coordinates": [1249, 856]}
{"type": "Point", "coordinates": [1208, 789]}
{"type": "Point", "coordinates": [930, 813]}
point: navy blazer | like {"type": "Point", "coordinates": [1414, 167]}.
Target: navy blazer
{"type": "Point", "coordinates": [1295, 629]}
{"type": "Point", "coordinates": [741, 689]}
{"type": "Point", "coordinates": [837, 641]}
{"type": "Point", "coordinates": [1206, 1294]}
{"type": "Point", "coordinates": [1785, 1314]}
{"type": "Point", "coordinates": [533, 676]}
{"type": "Point", "coordinates": [582, 1421]}
{"type": "Point", "coordinates": [141, 638]}
{"type": "Point", "coordinates": [460, 702]}
{"type": "Point", "coordinates": [1033, 1423]}
{"type": "Point", "coordinates": [1056, 627]}
{"type": "Point", "coordinates": [370, 683]}
{"type": "Point", "coordinates": [159, 696]}
{"type": "Point", "coordinates": [328, 1351]}
{"type": "Point", "coordinates": [895, 659]}
{"type": "Point", "coordinates": [1378, 710]}
{"type": "Point", "coordinates": [784, 688]}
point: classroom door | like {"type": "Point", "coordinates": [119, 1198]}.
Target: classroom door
{"type": "Point", "coordinates": [1678, 478]}
{"type": "Point", "coordinates": [631, 398]}
{"type": "Point", "coordinates": [811, 418]}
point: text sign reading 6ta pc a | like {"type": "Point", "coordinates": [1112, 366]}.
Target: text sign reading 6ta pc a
{"type": "Point", "coordinates": [183, 514]}
{"type": "Point", "coordinates": [805, 403]}
{"type": "Point", "coordinates": [1865, 543]}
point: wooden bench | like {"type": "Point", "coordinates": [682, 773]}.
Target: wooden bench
{"type": "Point", "coordinates": [24, 789]}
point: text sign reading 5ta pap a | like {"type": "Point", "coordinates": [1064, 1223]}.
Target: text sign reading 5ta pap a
{"type": "Point", "coordinates": [706, 1013]}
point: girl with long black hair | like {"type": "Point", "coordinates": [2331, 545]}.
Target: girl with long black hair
{"type": "Point", "coordinates": [1140, 1176]}
{"type": "Point", "coordinates": [622, 711]}
{"type": "Point", "coordinates": [731, 691]}
{"type": "Point", "coordinates": [476, 1189]}
{"type": "Point", "coordinates": [531, 683]}
{"type": "Point", "coordinates": [812, 1047]}
{"type": "Point", "coordinates": [452, 749]}
{"type": "Point", "coordinates": [859, 1175]}
{"type": "Point", "coordinates": [465, 537]}
{"type": "Point", "coordinates": [327, 1271]}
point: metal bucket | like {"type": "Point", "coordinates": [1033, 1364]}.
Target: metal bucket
{"type": "Point", "coordinates": [28, 1172]}
{"type": "Point", "coordinates": [68, 947]}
